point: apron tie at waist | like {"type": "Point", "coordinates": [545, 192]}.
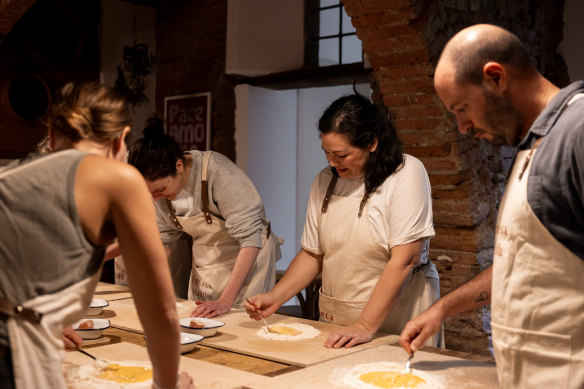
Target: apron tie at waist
{"type": "Point", "coordinates": [418, 268]}
{"type": "Point", "coordinates": [20, 312]}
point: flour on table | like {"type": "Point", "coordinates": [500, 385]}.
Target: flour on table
{"type": "Point", "coordinates": [87, 376]}
{"type": "Point", "coordinates": [182, 307]}
{"type": "Point", "coordinates": [306, 332]}
{"type": "Point", "coordinates": [351, 377]}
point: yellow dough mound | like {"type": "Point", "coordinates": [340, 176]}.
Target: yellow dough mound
{"type": "Point", "coordinates": [391, 379]}
{"type": "Point", "coordinates": [125, 374]}
{"type": "Point", "coordinates": [283, 330]}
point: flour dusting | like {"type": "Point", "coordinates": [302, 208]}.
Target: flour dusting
{"type": "Point", "coordinates": [87, 376]}
{"type": "Point", "coordinates": [349, 377]}
{"type": "Point", "coordinates": [306, 332]}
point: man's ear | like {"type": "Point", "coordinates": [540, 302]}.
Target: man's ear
{"type": "Point", "coordinates": [495, 76]}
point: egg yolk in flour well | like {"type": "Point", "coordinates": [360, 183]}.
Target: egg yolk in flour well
{"type": "Point", "coordinates": [391, 379]}
{"type": "Point", "coordinates": [125, 374]}
{"type": "Point", "coordinates": [283, 330]}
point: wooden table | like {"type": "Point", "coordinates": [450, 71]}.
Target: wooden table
{"type": "Point", "coordinates": [239, 334]}
{"type": "Point", "coordinates": [111, 292]}
{"type": "Point", "coordinates": [225, 360]}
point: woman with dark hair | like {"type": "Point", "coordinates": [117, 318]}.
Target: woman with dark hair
{"type": "Point", "coordinates": [60, 211]}
{"type": "Point", "coordinates": [367, 230]}
{"type": "Point", "coordinates": [207, 196]}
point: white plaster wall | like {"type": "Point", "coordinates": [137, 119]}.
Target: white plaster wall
{"type": "Point", "coordinates": [571, 48]}
{"type": "Point", "coordinates": [271, 43]}
{"type": "Point", "coordinates": [267, 120]}
{"type": "Point", "coordinates": [278, 146]}
{"type": "Point", "coordinates": [116, 32]}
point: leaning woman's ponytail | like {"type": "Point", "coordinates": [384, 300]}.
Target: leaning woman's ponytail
{"type": "Point", "coordinates": [156, 154]}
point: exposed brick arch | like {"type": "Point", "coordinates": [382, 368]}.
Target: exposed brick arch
{"type": "Point", "coordinates": [402, 39]}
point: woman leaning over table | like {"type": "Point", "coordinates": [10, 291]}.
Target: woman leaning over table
{"type": "Point", "coordinates": [60, 211]}
{"type": "Point", "coordinates": [367, 229]}
{"type": "Point", "coordinates": [207, 196]}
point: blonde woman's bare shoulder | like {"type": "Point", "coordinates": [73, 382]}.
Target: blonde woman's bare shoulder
{"type": "Point", "coordinates": [109, 174]}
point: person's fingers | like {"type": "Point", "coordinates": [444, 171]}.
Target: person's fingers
{"type": "Point", "coordinates": [330, 341]}
{"type": "Point", "coordinates": [341, 342]}
{"type": "Point", "coordinates": [352, 342]}
{"type": "Point", "coordinates": [418, 342]}
{"type": "Point", "coordinates": [69, 345]}
{"type": "Point", "coordinates": [409, 335]}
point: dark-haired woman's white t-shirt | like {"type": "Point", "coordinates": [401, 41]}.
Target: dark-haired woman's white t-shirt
{"type": "Point", "coordinates": [400, 210]}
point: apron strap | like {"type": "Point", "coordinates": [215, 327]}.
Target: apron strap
{"type": "Point", "coordinates": [204, 188]}
{"type": "Point", "coordinates": [173, 215]}
{"type": "Point", "coordinates": [18, 311]}
{"type": "Point", "coordinates": [362, 203]}
{"type": "Point", "coordinates": [329, 193]}
{"type": "Point", "coordinates": [528, 158]}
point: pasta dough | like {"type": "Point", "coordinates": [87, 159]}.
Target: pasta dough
{"type": "Point", "coordinates": [125, 374]}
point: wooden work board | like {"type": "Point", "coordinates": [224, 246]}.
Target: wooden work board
{"type": "Point", "coordinates": [123, 314]}
{"type": "Point", "coordinates": [205, 375]}
{"type": "Point", "coordinates": [239, 335]}
{"type": "Point", "coordinates": [448, 372]}
{"type": "Point", "coordinates": [111, 292]}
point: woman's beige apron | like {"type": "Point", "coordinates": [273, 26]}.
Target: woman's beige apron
{"type": "Point", "coordinates": [215, 252]}
{"type": "Point", "coordinates": [352, 265]}
{"type": "Point", "coordinates": [37, 348]}
{"type": "Point", "coordinates": [537, 297]}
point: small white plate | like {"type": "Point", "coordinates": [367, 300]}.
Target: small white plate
{"type": "Point", "coordinates": [96, 307]}
{"type": "Point", "coordinates": [98, 326]}
{"type": "Point", "coordinates": [210, 329]}
{"type": "Point", "coordinates": [188, 341]}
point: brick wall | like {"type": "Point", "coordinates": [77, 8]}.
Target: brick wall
{"type": "Point", "coordinates": [53, 42]}
{"type": "Point", "coordinates": [190, 41]}
{"type": "Point", "coordinates": [403, 39]}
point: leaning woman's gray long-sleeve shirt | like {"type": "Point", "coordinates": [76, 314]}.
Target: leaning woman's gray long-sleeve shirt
{"type": "Point", "coordinates": [232, 197]}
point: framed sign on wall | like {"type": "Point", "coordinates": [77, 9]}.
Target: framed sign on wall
{"type": "Point", "coordinates": [187, 119]}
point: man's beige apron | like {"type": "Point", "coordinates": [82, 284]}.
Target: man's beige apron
{"type": "Point", "coordinates": [352, 265]}
{"type": "Point", "coordinates": [537, 297]}
{"type": "Point", "coordinates": [37, 349]}
{"type": "Point", "coordinates": [215, 252]}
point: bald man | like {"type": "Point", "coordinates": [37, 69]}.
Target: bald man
{"type": "Point", "coordinates": [536, 284]}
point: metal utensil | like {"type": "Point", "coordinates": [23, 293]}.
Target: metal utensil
{"type": "Point", "coordinates": [265, 322]}
{"type": "Point", "coordinates": [88, 354]}
{"type": "Point", "coordinates": [407, 369]}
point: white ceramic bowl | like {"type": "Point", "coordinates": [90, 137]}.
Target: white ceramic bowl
{"type": "Point", "coordinates": [188, 341]}
{"type": "Point", "coordinates": [96, 307]}
{"type": "Point", "coordinates": [211, 326]}
{"type": "Point", "coordinates": [98, 326]}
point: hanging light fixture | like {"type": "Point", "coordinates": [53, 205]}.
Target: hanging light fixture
{"type": "Point", "coordinates": [138, 64]}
